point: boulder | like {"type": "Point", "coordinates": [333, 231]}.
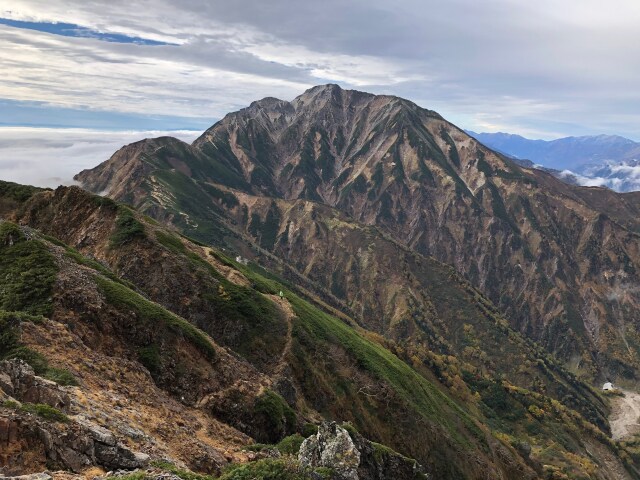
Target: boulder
{"type": "Point", "coordinates": [119, 457]}
{"type": "Point", "coordinates": [331, 447]}
{"type": "Point", "coordinates": [98, 433]}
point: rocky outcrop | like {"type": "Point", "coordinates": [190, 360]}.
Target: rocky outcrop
{"type": "Point", "coordinates": [353, 457]}
{"type": "Point", "coordinates": [67, 443]}
{"type": "Point", "coordinates": [331, 447]}
{"type": "Point", "coordinates": [18, 380]}
{"type": "Point", "coordinates": [70, 445]}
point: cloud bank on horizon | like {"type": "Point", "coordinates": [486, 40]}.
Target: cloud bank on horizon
{"type": "Point", "coordinates": [543, 69]}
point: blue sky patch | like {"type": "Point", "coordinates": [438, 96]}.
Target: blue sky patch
{"type": "Point", "coordinates": [15, 113]}
{"type": "Point", "coordinates": [72, 30]}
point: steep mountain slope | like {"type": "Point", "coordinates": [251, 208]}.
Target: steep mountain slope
{"type": "Point", "coordinates": [94, 318]}
{"type": "Point", "coordinates": [560, 261]}
{"type": "Point", "coordinates": [88, 334]}
{"type": "Point", "coordinates": [359, 380]}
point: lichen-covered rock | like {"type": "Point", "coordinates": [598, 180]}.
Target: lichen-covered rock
{"type": "Point", "coordinates": [331, 447]}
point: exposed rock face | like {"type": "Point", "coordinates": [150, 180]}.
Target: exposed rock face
{"type": "Point", "coordinates": [331, 447]}
{"type": "Point", "coordinates": [70, 446]}
{"type": "Point", "coordinates": [17, 379]}
{"type": "Point", "coordinates": [73, 445]}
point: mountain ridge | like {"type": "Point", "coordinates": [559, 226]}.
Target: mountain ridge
{"type": "Point", "coordinates": [465, 405]}
{"type": "Point", "coordinates": [388, 163]}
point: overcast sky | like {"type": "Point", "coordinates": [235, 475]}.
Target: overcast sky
{"type": "Point", "coordinates": [542, 69]}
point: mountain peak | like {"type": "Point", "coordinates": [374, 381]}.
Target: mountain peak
{"type": "Point", "coordinates": [327, 87]}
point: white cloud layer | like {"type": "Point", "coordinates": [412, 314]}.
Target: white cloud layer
{"type": "Point", "coordinates": [621, 177]}
{"type": "Point", "coordinates": [543, 68]}
{"type": "Point", "coordinates": [48, 157]}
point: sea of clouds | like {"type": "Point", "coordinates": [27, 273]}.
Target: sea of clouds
{"type": "Point", "coordinates": [48, 157]}
{"type": "Point", "coordinates": [618, 176]}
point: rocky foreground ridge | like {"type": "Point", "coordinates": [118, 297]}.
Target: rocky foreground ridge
{"type": "Point", "coordinates": [192, 358]}
{"type": "Point", "coordinates": [96, 378]}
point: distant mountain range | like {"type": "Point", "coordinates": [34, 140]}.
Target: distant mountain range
{"type": "Point", "coordinates": [597, 160]}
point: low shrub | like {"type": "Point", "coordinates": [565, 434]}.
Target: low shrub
{"type": "Point", "coordinates": [290, 445]}
{"type": "Point", "coordinates": [28, 272]}
{"type": "Point", "coordinates": [44, 411]}
{"type": "Point", "coordinates": [272, 469]}
{"type": "Point", "coordinates": [61, 376]}
{"type": "Point", "coordinates": [128, 228]}
{"type": "Point", "coordinates": [276, 418]}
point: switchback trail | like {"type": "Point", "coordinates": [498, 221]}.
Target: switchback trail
{"type": "Point", "coordinates": [285, 307]}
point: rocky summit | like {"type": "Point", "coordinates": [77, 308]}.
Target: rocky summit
{"type": "Point", "coordinates": [344, 286]}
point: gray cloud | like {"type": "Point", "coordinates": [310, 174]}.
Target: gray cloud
{"type": "Point", "coordinates": [543, 69]}
{"type": "Point", "coordinates": [48, 157]}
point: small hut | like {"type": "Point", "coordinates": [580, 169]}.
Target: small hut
{"type": "Point", "coordinates": [608, 386]}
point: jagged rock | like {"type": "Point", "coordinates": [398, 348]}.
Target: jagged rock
{"type": "Point", "coordinates": [353, 457]}
{"type": "Point", "coordinates": [72, 445]}
{"type": "Point", "coordinates": [6, 385]}
{"type": "Point", "coordinates": [98, 433]}
{"type": "Point", "coordinates": [18, 380]}
{"type": "Point", "coordinates": [331, 447]}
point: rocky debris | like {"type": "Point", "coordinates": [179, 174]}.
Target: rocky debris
{"type": "Point", "coordinates": [331, 447]}
{"type": "Point", "coordinates": [32, 476]}
{"type": "Point", "coordinates": [149, 474]}
{"type": "Point", "coordinates": [18, 380]}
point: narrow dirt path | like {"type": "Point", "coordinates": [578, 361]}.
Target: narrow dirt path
{"type": "Point", "coordinates": [625, 415]}
{"type": "Point", "coordinates": [285, 307]}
